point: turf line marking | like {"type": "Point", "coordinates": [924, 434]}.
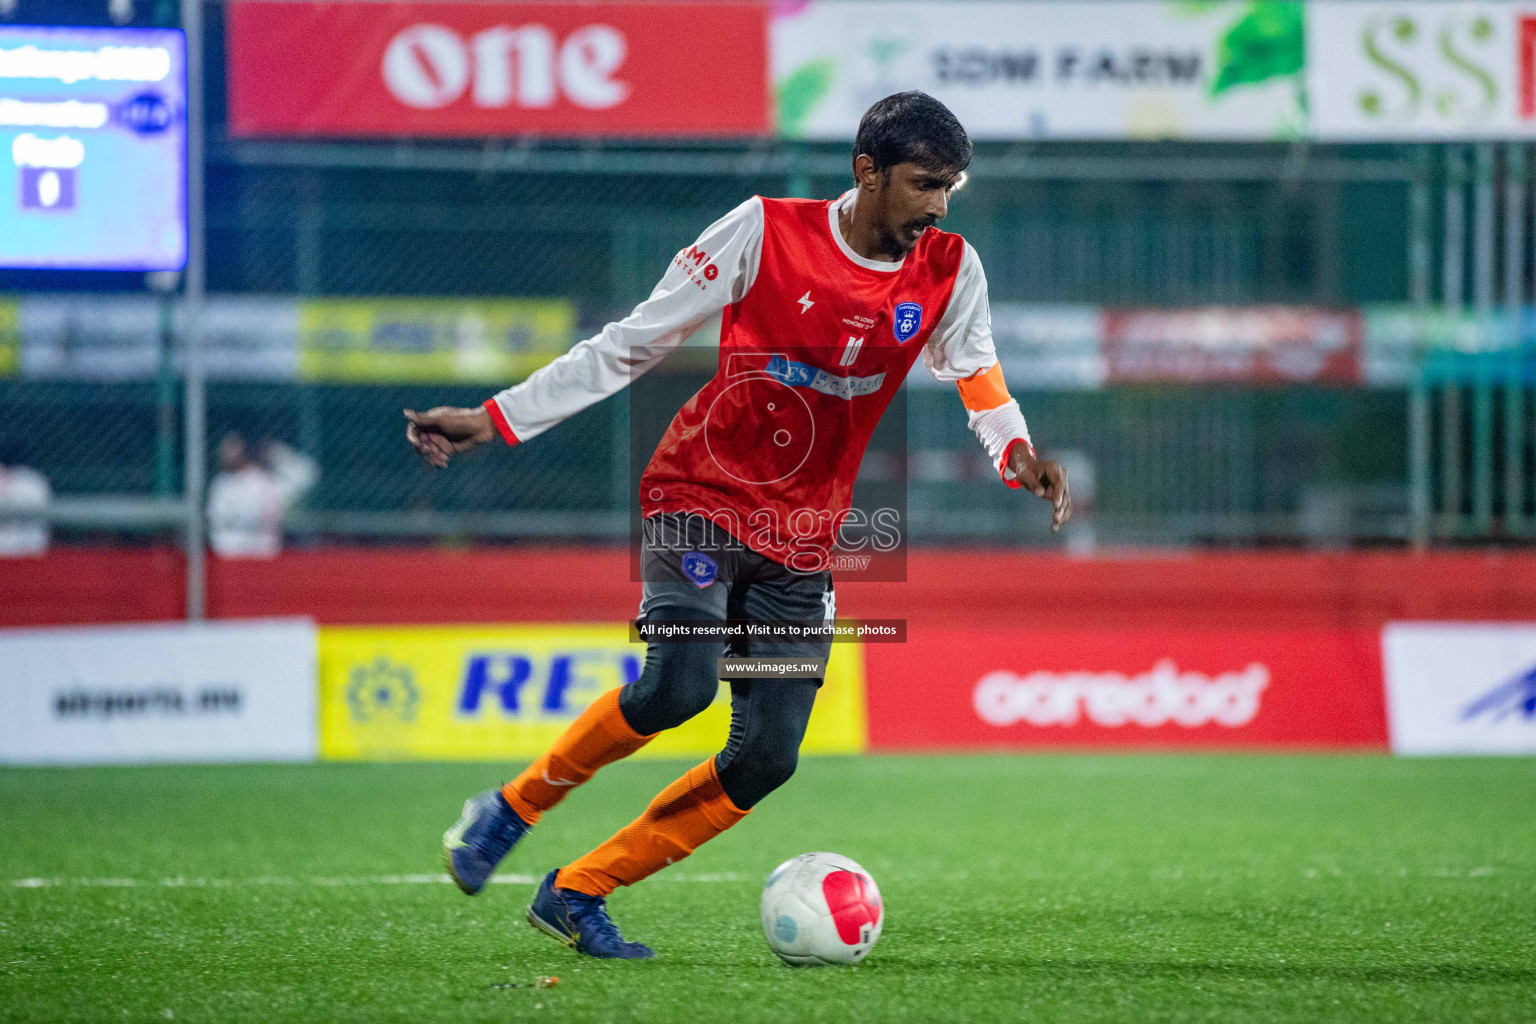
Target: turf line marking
{"type": "Point", "coordinates": [225, 883]}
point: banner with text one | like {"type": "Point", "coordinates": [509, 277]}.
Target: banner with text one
{"type": "Point", "coordinates": [487, 69]}
{"type": "Point", "coordinates": [496, 693]}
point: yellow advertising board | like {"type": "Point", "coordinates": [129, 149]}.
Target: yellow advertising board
{"type": "Point", "coordinates": [503, 693]}
{"type": "Point", "coordinates": [10, 337]}
{"type": "Point", "coordinates": [419, 340]}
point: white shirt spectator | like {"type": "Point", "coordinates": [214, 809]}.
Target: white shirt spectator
{"type": "Point", "coordinates": [246, 505]}
{"type": "Point", "coordinates": [24, 499]}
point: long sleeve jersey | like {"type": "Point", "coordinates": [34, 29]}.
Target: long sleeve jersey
{"type": "Point", "coordinates": [814, 342]}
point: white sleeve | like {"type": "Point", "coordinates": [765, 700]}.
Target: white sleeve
{"type": "Point", "coordinates": [961, 347]}
{"type": "Point", "coordinates": [703, 279]}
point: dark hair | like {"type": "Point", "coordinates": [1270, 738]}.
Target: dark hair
{"type": "Point", "coordinates": [913, 127]}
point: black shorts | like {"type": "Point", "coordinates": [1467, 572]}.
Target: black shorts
{"type": "Point", "coordinates": [690, 563]}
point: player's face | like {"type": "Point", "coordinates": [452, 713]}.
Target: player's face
{"type": "Point", "coordinates": [913, 199]}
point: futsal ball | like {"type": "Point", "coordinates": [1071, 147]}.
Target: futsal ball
{"type": "Point", "coordinates": [820, 908]}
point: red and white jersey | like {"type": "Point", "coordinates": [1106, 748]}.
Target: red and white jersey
{"type": "Point", "coordinates": [814, 342]}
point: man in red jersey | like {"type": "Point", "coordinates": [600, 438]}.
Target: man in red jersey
{"type": "Point", "coordinates": [824, 307]}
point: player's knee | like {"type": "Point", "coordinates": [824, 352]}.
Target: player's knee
{"type": "Point", "coordinates": [779, 764]}
{"type": "Point", "coordinates": [695, 677]}
{"type": "Point", "coordinates": [678, 682]}
{"type": "Point", "coordinates": [755, 770]}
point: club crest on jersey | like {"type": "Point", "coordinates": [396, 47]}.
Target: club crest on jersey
{"type": "Point", "coordinates": [908, 321]}
{"type": "Point", "coordinates": [700, 568]}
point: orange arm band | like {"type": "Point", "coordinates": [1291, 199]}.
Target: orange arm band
{"type": "Point", "coordinates": [984, 389]}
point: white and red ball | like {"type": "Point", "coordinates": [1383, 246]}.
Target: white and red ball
{"type": "Point", "coordinates": [821, 908]}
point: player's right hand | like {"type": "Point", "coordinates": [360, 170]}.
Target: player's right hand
{"type": "Point", "coordinates": [1044, 479]}
{"type": "Point", "coordinates": [441, 433]}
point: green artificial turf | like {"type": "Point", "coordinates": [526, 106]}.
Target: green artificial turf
{"type": "Point", "coordinates": [1060, 888]}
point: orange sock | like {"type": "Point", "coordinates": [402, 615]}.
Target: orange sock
{"type": "Point", "coordinates": [599, 736]}
{"type": "Point", "coordinates": [683, 817]}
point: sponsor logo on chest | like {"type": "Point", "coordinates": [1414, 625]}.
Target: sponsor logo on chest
{"type": "Point", "coordinates": [803, 375]}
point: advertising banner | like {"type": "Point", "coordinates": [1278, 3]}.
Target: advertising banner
{"type": "Point", "coordinates": [504, 693]}
{"type": "Point", "coordinates": [1111, 69]}
{"type": "Point", "coordinates": [129, 337]}
{"type": "Point", "coordinates": [1421, 70]}
{"type": "Point", "coordinates": [488, 69]}
{"type": "Point", "coordinates": [499, 341]}
{"type": "Point", "coordinates": [1335, 70]}
{"type": "Point", "coordinates": [1461, 688]}
{"type": "Point", "coordinates": [1024, 688]}
{"type": "Point", "coordinates": [490, 340]}
{"type": "Point", "coordinates": [227, 691]}
{"type": "Point", "coordinates": [1045, 345]}
{"type": "Point", "coordinates": [10, 338]}
{"type": "Point", "coordinates": [1258, 344]}
{"type": "Point", "coordinates": [1401, 339]}
{"type": "Point", "coordinates": [122, 337]}
{"type": "Point", "coordinates": [1086, 347]}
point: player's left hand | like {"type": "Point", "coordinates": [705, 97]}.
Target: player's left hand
{"type": "Point", "coordinates": [1044, 479]}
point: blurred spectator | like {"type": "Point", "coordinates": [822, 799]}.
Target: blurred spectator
{"type": "Point", "coordinates": [249, 495]}
{"type": "Point", "coordinates": [24, 499]}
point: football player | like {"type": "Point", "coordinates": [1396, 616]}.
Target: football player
{"type": "Point", "coordinates": [824, 307]}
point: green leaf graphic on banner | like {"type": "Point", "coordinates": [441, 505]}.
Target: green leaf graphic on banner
{"type": "Point", "coordinates": [1479, 31]}
{"type": "Point", "coordinates": [1268, 41]}
{"type": "Point", "coordinates": [1403, 30]}
{"type": "Point", "coordinates": [798, 93]}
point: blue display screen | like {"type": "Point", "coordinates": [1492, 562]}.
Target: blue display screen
{"type": "Point", "coordinates": [93, 142]}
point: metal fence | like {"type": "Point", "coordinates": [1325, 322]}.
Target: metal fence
{"type": "Point", "coordinates": [1473, 444]}
{"type": "Point", "coordinates": [1170, 464]}
{"type": "Point", "coordinates": [594, 225]}
{"type": "Point", "coordinates": [1099, 224]}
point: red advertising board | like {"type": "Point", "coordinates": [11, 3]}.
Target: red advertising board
{"type": "Point", "coordinates": [479, 69]}
{"type": "Point", "coordinates": [1526, 27]}
{"type": "Point", "coordinates": [1257, 344]}
{"type": "Point", "coordinates": [1020, 688]}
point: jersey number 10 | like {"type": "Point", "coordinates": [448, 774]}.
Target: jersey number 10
{"type": "Point", "coordinates": [851, 351]}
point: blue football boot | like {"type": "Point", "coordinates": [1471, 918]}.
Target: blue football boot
{"type": "Point", "coordinates": [483, 835]}
{"type": "Point", "coordinates": [581, 922]}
